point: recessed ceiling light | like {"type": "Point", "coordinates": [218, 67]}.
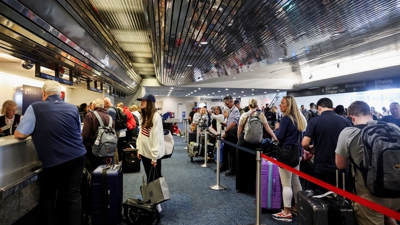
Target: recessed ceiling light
{"type": "Point", "coordinates": [191, 92]}
{"type": "Point", "coordinates": [280, 58]}
{"type": "Point", "coordinates": [172, 87]}
{"type": "Point", "coordinates": [239, 96]}
{"type": "Point", "coordinates": [265, 92]}
{"type": "Point", "coordinates": [252, 89]}
{"type": "Point", "coordinates": [252, 94]}
{"type": "Point", "coordinates": [219, 91]}
{"type": "Point", "coordinates": [226, 89]}
{"type": "Point", "coordinates": [213, 93]}
{"type": "Point", "coordinates": [234, 93]}
{"type": "Point", "coordinates": [189, 65]}
{"type": "Point", "coordinates": [244, 95]}
{"type": "Point", "coordinates": [208, 94]}
{"type": "Point", "coordinates": [195, 90]}
{"type": "Point", "coordinates": [199, 88]}
{"type": "Point", "coordinates": [242, 91]}
{"type": "Point", "coordinates": [203, 42]}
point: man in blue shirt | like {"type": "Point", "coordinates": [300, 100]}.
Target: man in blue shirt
{"type": "Point", "coordinates": [324, 130]}
{"type": "Point", "coordinates": [230, 135]}
{"type": "Point", "coordinates": [395, 117]}
{"type": "Point", "coordinates": [55, 127]}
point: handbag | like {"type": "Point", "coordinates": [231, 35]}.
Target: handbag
{"type": "Point", "coordinates": [138, 212]}
{"type": "Point", "coordinates": [169, 144]}
{"type": "Point", "coordinates": [156, 191]}
{"type": "Point", "coordinates": [270, 148]}
{"type": "Point", "coordinates": [289, 154]}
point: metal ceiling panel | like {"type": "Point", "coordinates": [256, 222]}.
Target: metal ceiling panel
{"type": "Point", "coordinates": [198, 40]}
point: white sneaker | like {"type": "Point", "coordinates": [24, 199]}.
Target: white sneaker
{"type": "Point", "coordinates": [159, 209]}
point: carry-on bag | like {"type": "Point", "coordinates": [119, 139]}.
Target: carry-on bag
{"type": "Point", "coordinates": [107, 184]}
{"type": "Point", "coordinates": [156, 191]}
{"type": "Point", "coordinates": [271, 188]}
{"type": "Point", "coordinates": [315, 207]}
{"type": "Point", "coordinates": [138, 212]}
{"type": "Point", "coordinates": [86, 196]}
{"type": "Point", "coordinates": [130, 161]}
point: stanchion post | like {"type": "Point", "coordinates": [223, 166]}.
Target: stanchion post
{"type": "Point", "coordinates": [258, 187]}
{"type": "Point", "coordinates": [205, 149]}
{"type": "Point", "coordinates": [218, 187]}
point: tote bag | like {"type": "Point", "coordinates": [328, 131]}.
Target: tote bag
{"type": "Point", "coordinates": [156, 191]}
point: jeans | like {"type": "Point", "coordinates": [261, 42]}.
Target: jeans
{"type": "Point", "coordinates": [60, 198]}
{"type": "Point", "coordinates": [290, 185]}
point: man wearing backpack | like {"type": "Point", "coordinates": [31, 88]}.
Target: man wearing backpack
{"type": "Point", "coordinates": [89, 134]}
{"type": "Point", "coordinates": [350, 146]}
{"type": "Point", "coordinates": [312, 112]}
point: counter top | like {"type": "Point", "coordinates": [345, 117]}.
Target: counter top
{"type": "Point", "coordinates": [19, 165]}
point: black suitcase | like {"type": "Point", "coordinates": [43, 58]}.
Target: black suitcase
{"type": "Point", "coordinates": [86, 196]}
{"type": "Point", "coordinates": [130, 161]}
{"type": "Point", "coordinates": [192, 137]}
{"type": "Point", "coordinates": [326, 210]}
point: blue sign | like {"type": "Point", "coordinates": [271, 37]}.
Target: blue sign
{"type": "Point", "coordinates": [30, 95]}
{"type": "Point", "coordinates": [183, 114]}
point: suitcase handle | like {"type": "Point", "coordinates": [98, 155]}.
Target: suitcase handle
{"type": "Point", "coordinates": [274, 189]}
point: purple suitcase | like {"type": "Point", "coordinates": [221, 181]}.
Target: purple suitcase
{"type": "Point", "coordinates": [271, 189]}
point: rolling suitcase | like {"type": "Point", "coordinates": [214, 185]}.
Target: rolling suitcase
{"type": "Point", "coordinates": [192, 137]}
{"type": "Point", "coordinates": [107, 195]}
{"type": "Point", "coordinates": [271, 188]}
{"type": "Point", "coordinates": [314, 209]}
{"type": "Point", "coordinates": [130, 161]}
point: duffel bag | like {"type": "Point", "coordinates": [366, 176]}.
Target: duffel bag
{"type": "Point", "coordinates": [140, 212]}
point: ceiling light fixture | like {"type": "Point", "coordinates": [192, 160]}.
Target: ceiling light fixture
{"type": "Point", "coordinates": [172, 87]}
{"type": "Point", "coordinates": [203, 42]}
{"type": "Point", "coordinates": [226, 89]}
{"type": "Point", "coordinates": [189, 65]}
{"type": "Point", "coordinates": [219, 91]}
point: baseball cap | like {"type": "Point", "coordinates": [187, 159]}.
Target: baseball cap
{"type": "Point", "coordinates": [149, 97]}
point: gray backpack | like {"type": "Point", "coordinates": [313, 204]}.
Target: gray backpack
{"type": "Point", "coordinates": [380, 166]}
{"type": "Point", "coordinates": [253, 133]}
{"type": "Point", "coordinates": [105, 144]}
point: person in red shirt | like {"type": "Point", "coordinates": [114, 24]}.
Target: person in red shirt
{"type": "Point", "coordinates": [175, 129]}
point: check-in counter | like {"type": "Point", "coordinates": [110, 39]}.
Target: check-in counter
{"type": "Point", "coordinates": [19, 186]}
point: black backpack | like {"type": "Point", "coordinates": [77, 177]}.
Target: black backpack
{"type": "Point", "coordinates": [136, 119]}
{"type": "Point", "coordinates": [120, 119]}
{"type": "Point", "coordinates": [313, 114]}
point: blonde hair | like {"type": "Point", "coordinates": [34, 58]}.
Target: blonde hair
{"type": "Point", "coordinates": [274, 110]}
{"type": "Point", "coordinates": [7, 104]}
{"type": "Point", "coordinates": [253, 103]}
{"type": "Point", "coordinates": [133, 108]}
{"type": "Point", "coordinates": [293, 112]}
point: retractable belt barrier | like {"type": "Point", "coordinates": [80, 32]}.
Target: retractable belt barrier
{"type": "Point", "coordinates": [372, 205]}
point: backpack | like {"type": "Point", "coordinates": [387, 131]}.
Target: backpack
{"type": "Point", "coordinates": [136, 120]}
{"type": "Point", "coordinates": [313, 114]}
{"type": "Point", "coordinates": [380, 166]}
{"type": "Point", "coordinates": [120, 119]}
{"type": "Point", "coordinates": [253, 133]}
{"type": "Point", "coordinates": [105, 144]}
{"type": "Point", "coordinates": [140, 212]}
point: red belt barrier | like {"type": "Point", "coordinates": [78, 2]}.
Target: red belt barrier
{"type": "Point", "coordinates": [372, 205]}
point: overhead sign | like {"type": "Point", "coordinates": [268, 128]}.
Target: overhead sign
{"type": "Point", "coordinates": [380, 84]}
{"type": "Point", "coordinates": [49, 77]}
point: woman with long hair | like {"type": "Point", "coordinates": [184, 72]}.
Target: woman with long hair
{"type": "Point", "coordinates": [288, 132]}
{"type": "Point", "coordinates": [150, 142]}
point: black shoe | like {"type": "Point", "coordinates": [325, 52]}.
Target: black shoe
{"type": "Point", "coordinates": [230, 173]}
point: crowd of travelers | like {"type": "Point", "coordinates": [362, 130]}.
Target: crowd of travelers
{"type": "Point", "coordinates": [330, 135]}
